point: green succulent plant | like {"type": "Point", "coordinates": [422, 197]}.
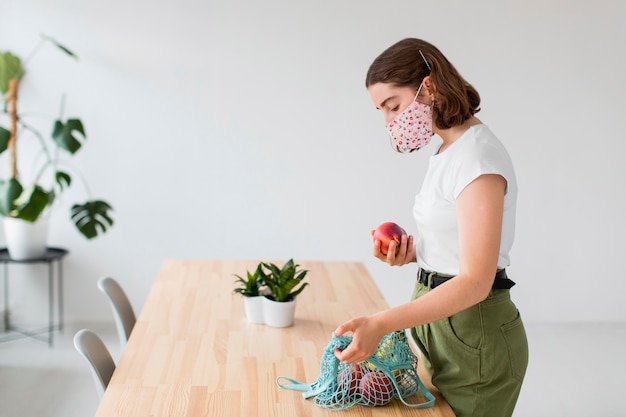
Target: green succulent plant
{"type": "Point", "coordinates": [250, 285]}
{"type": "Point", "coordinates": [283, 282]}
{"type": "Point", "coordinates": [29, 201]}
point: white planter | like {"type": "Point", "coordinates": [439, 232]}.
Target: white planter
{"type": "Point", "coordinates": [278, 314]}
{"type": "Point", "coordinates": [26, 240]}
{"type": "Point", "coordinates": [254, 309]}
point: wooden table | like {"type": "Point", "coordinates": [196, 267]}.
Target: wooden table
{"type": "Point", "coordinates": [192, 352]}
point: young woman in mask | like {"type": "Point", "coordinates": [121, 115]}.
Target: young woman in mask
{"type": "Point", "coordinates": [461, 315]}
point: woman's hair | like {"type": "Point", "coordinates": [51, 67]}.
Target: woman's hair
{"type": "Point", "coordinates": [402, 65]}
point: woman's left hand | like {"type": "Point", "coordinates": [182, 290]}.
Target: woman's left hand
{"type": "Point", "coordinates": [366, 335]}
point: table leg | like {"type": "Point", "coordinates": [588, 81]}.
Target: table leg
{"type": "Point", "coordinates": [60, 298]}
{"type": "Point", "coordinates": [50, 304]}
{"type": "Point", "coordinates": [7, 323]}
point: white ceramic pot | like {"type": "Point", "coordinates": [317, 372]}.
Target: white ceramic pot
{"type": "Point", "coordinates": [277, 314]}
{"type": "Point", "coordinates": [254, 309]}
{"type": "Point", "coordinates": [26, 240]}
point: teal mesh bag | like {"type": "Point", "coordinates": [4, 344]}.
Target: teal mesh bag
{"type": "Point", "coordinates": [391, 372]}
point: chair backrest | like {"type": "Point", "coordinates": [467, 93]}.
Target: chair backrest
{"type": "Point", "coordinates": [93, 349]}
{"type": "Point", "coordinates": [122, 309]}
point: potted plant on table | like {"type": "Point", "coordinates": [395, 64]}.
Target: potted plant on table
{"type": "Point", "coordinates": [24, 202]}
{"type": "Point", "coordinates": [284, 284]}
{"type": "Point", "coordinates": [249, 289]}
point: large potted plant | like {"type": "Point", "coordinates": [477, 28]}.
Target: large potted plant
{"type": "Point", "coordinates": [25, 202]}
{"type": "Point", "coordinates": [283, 284]}
{"type": "Point", "coordinates": [249, 289]}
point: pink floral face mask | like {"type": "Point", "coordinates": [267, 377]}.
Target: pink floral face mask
{"type": "Point", "coordinates": [412, 129]}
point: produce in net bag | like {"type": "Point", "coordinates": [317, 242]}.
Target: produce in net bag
{"type": "Point", "coordinates": [391, 372]}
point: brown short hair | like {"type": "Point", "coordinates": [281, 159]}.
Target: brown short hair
{"type": "Point", "coordinates": [402, 65]}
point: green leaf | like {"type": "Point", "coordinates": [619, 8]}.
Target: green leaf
{"type": "Point", "coordinates": [10, 67]}
{"type": "Point", "coordinates": [282, 282]}
{"type": "Point", "coordinates": [251, 284]}
{"type": "Point", "coordinates": [9, 191]}
{"type": "Point", "coordinates": [64, 134]}
{"type": "Point", "coordinates": [31, 205]}
{"type": "Point", "coordinates": [63, 179]}
{"type": "Point", "coordinates": [92, 217]}
{"type": "Point", "coordinates": [299, 290]}
{"type": "Point", "coordinates": [58, 45]}
{"type": "Point", "coordinates": [5, 136]}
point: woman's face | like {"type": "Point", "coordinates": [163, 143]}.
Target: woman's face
{"type": "Point", "coordinates": [391, 99]}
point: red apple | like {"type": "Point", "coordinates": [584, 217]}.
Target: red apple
{"type": "Point", "coordinates": [387, 232]}
{"type": "Point", "coordinates": [376, 389]}
{"type": "Point", "coordinates": [349, 379]}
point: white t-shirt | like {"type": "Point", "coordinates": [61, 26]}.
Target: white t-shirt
{"type": "Point", "coordinates": [477, 152]}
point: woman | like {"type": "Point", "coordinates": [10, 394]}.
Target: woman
{"type": "Point", "coordinates": [461, 316]}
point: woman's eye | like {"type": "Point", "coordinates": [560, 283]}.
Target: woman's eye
{"type": "Point", "coordinates": [395, 108]}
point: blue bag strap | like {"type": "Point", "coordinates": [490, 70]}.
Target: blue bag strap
{"type": "Point", "coordinates": [293, 384]}
{"type": "Point", "coordinates": [328, 358]}
{"type": "Point", "coordinates": [429, 396]}
{"type": "Point", "coordinates": [310, 390]}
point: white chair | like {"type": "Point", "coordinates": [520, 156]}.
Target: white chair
{"type": "Point", "coordinates": [122, 309]}
{"type": "Point", "coordinates": [93, 349]}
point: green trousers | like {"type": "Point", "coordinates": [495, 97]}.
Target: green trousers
{"type": "Point", "coordinates": [477, 358]}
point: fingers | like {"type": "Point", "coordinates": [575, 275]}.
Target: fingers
{"type": "Point", "coordinates": [396, 254]}
{"type": "Point", "coordinates": [357, 351]}
{"type": "Point", "coordinates": [404, 240]}
{"type": "Point", "coordinates": [404, 255]}
{"type": "Point", "coordinates": [339, 331]}
{"type": "Point", "coordinates": [391, 252]}
{"type": "Point", "coordinates": [346, 327]}
{"type": "Point", "coordinates": [376, 251]}
{"type": "Point", "coordinates": [347, 355]}
{"type": "Point", "coordinates": [351, 354]}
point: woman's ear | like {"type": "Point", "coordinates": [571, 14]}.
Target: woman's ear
{"type": "Point", "coordinates": [430, 87]}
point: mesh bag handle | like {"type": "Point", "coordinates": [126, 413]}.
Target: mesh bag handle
{"type": "Point", "coordinates": [391, 372]}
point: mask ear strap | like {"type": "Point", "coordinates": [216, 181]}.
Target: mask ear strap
{"type": "Point", "coordinates": [418, 91]}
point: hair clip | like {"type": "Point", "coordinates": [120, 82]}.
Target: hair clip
{"type": "Point", "coordinates": [424, 58]}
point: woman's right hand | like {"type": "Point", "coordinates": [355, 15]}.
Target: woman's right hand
{"type": "Point", "coordinates": [405, 255]}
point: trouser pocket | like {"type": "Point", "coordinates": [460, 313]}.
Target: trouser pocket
{"type": "Point", "coordinates": [514, 336]}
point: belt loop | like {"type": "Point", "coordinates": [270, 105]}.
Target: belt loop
{"type": "Point", "coordinates": [430, 280]}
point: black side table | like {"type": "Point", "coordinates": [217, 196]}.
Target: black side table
{"type": "Point", "coordinates": [52, 256]}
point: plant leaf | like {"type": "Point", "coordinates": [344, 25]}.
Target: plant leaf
{"type": "Point", "coordinates": [64, 134]}
{"type": "Point", "coordinates": [92, 217]}
{"type": "Point", "coordinates": [282, 282]}
{"type": "Point", "coordinates": [30, 205]}
{"type": "Point", "coordinates": [10, 67]}
{"type": "Point", "coordinates": [298, 291]}
{"type": "Point", "coordinates": [63, 179]}
{"type": "Point", "coordinates": [251, 284]}
{"type": "Point", "coordinates": [5, 136]}
{"type": "Point", "coordinates": [58, 45]}
{"type": "Point", "coordinates": [9, 191]}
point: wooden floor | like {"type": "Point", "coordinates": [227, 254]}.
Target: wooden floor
{"type": "Point", "coordinates": [575, 370]}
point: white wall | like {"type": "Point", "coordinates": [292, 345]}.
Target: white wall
{"type": "Point", "coordinates": [242, 129]}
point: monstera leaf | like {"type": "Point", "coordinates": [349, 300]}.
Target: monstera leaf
{"type": "Point", "coordinates": [64, 134]}
{"type": "Point", "coordinates": [32, 203]}
{"type": "Point", "coordinates": [91, 216]}
{"type": "Point", "coordinates": [26, 205]}
{"type": "Point", "coordinates": [10, 190]}
{"type": "Point", "coordinates": [63, 179]}
{"type": "Point", "coordinates": [5, 136]}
